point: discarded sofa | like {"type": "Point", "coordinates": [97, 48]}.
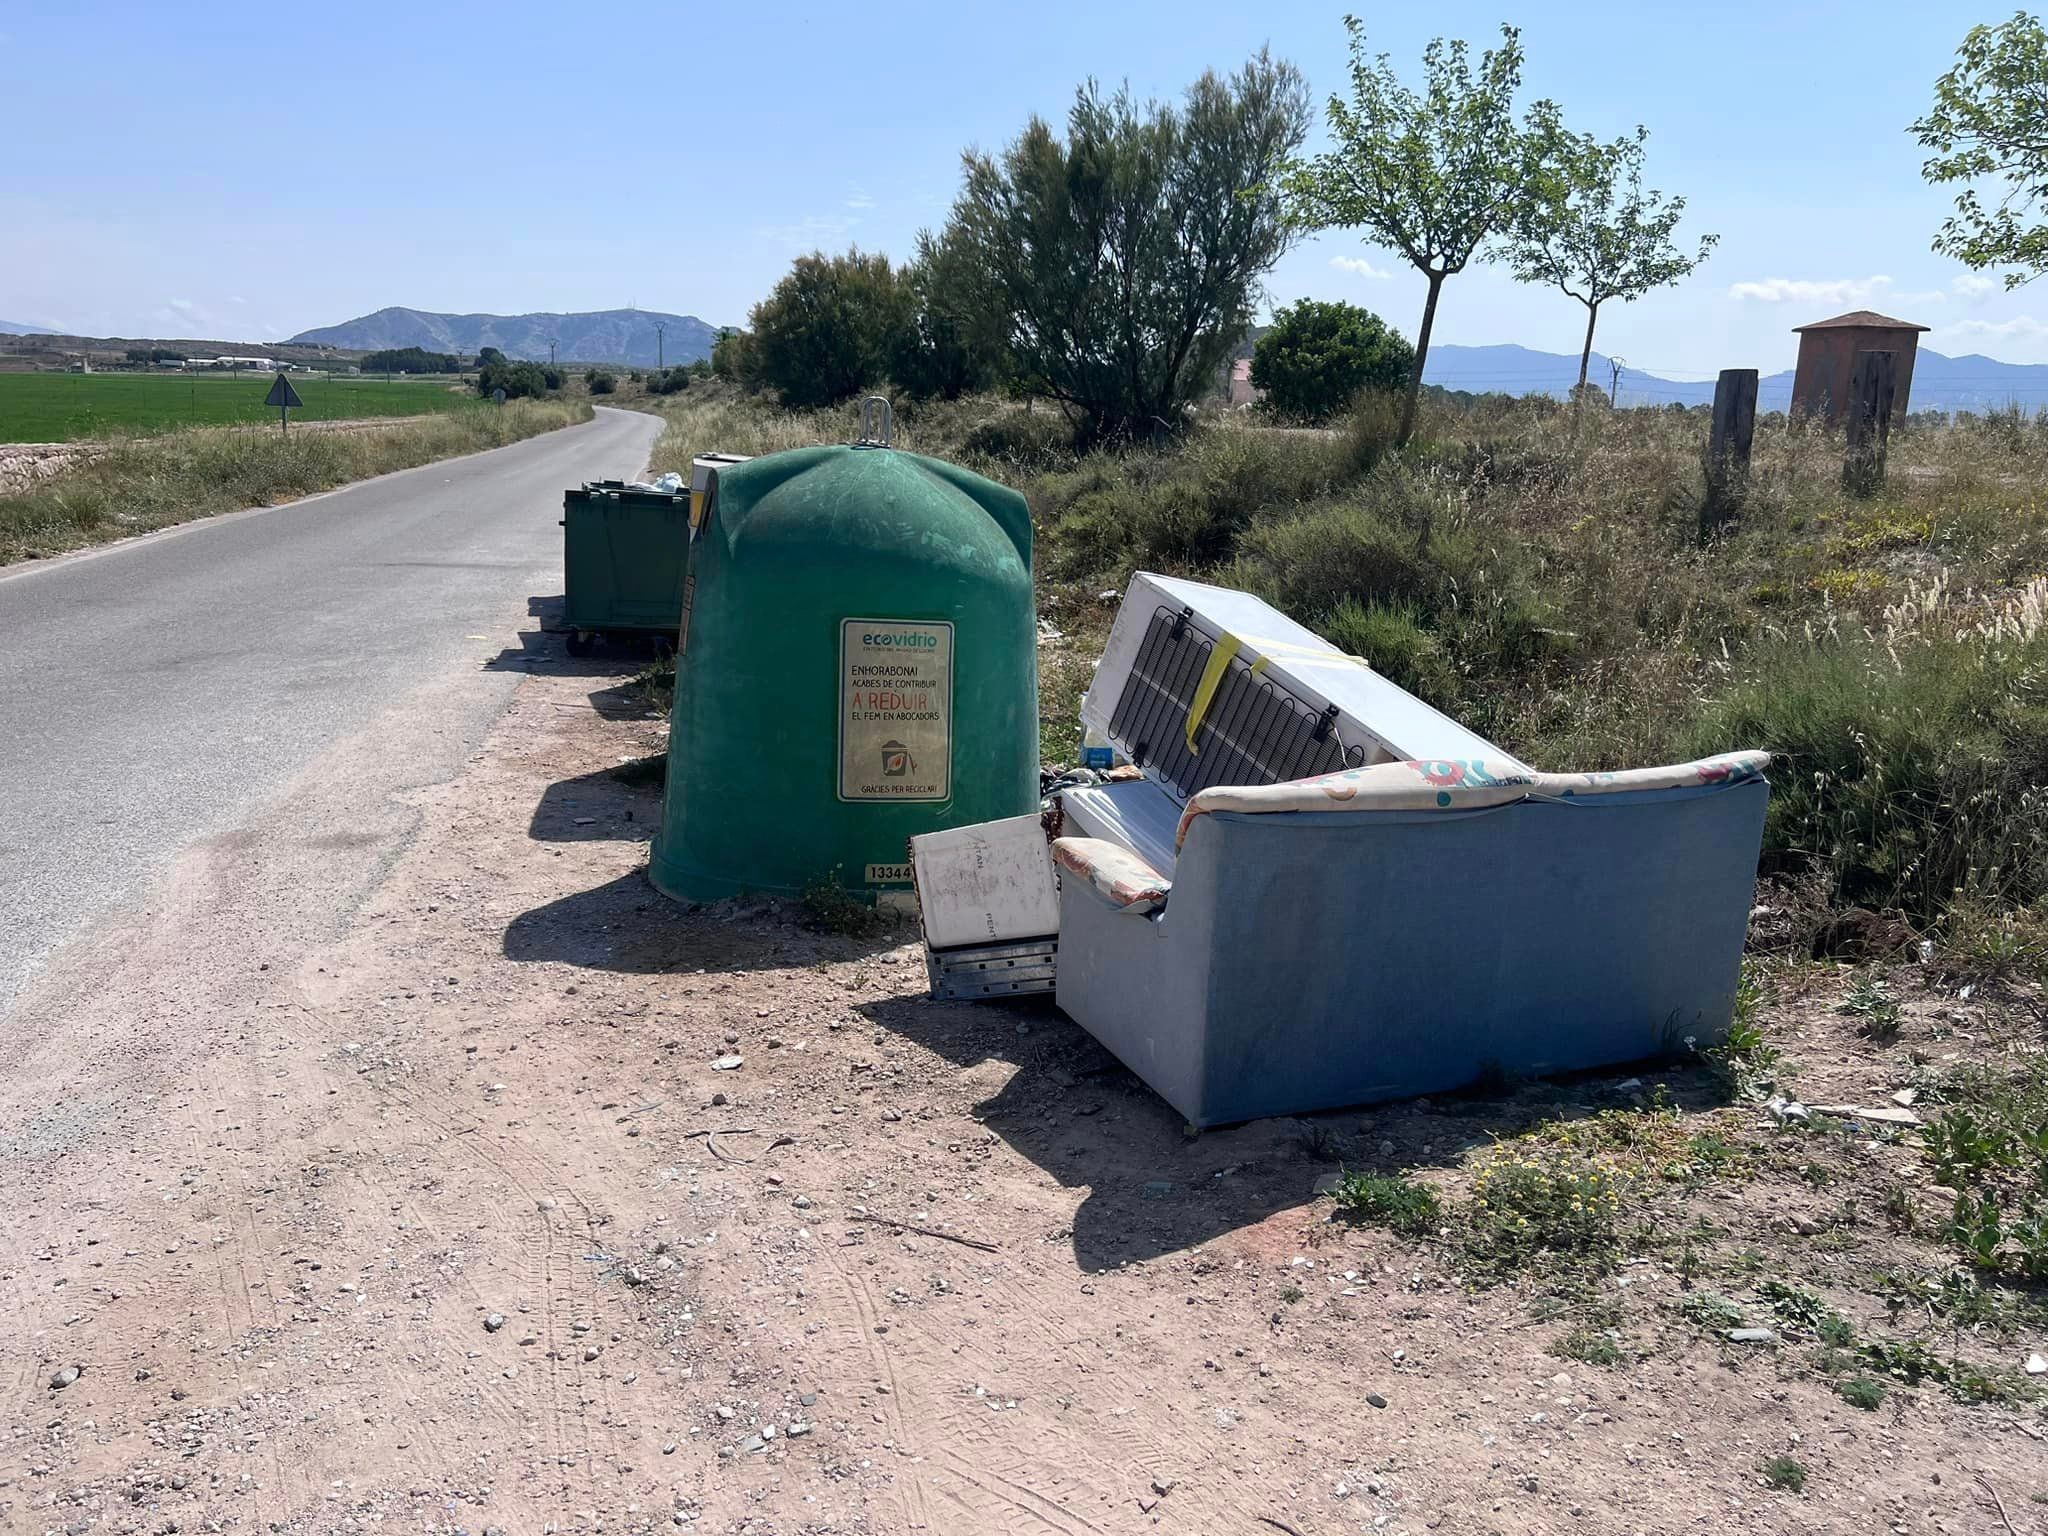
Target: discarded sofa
{"type": "Point", "coordinates": [1401, 929]}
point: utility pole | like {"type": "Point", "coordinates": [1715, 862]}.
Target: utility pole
{"type": "Point", "coordinates": [1614, 365]}
{"type": "Point", "coordinates": [551, 351]}
{"type": "Point", "coordinates": [1873, 390]}
{"type": "Point", "coordinates": [660, 336]}
{"type": "Point", "coordinates": [1728, 448]}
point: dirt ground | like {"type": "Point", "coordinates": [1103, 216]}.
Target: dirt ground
{"type": "Point", "coordinates": [413, 1219]}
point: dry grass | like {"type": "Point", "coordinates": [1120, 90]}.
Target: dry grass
{"type": "Point", "coordinates": [1543, 580]}
{"type": "Point", "coordinates": [138, 487]}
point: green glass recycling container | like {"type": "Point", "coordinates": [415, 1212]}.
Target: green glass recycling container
{"type": "Point", "coordinates": [623, 554]}
{"type": "Point", "coordinates": [857, 662]}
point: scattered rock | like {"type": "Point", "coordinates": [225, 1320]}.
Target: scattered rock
{"type": "Point", "coordinates": [65, 1377]}
{"type": "Point", "coordinates": [494, 1322]}
{"type": "Point", "coordinates": [891, 1116]}
{"type": "Point", "coordinates": [1905, 1096]}
{"type": "Point", "coordinates": [1327, 1184]}
{"type": "Point", "coordinates": [1164, 1485]}
{"type": "Point", "coordinates": [719, 1101]}
{"type": "Point", "coordinates": [1751, 1336]}
{"type": "Point", "coordinates": [590, 1353]}
{"type": "Point", "coordinates": [2036, 1366]}
{"type": "Point", "coordinates": [1780, 1108]}
{"type": "Point", "coordinates": [1375, 1399]}
{"type": "Point", "coordinates": [730, 1063]}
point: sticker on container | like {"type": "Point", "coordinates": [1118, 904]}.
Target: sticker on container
{"type": "Point", "coordinates": [895, 710]}
{"type": "Point", "coordinates": [888, 874]}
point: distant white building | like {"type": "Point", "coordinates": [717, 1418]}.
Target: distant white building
{"type": "Point", "coordinates": [233, 362]}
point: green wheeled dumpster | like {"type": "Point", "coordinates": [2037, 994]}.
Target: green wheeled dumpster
{"type": "Point", "coordinates": [857, 663]}
{"type": "Point", "coordinates": [624, 551]}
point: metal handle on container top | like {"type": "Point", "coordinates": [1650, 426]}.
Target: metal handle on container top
{"type": "Point", "coordinates": [877, 423]}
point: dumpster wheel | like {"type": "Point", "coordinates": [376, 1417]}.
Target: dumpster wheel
{"type": "Point", "coordinates": [580, 642]}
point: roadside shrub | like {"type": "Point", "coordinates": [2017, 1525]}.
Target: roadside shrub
{"type": "Point", "coordinates": [1022, 440]}
{"type": "Point", "coordinates": [1785, 1474]}
{"type": "Point", "coordinates": [1912, 759]}
{"type": "Point", "coordinates": [1392, 641]}
{"type": "Point", "coordinates": [829, 327]}
{"type": "Point", "coordinates": [1865, 1392]}
{"type": "Point", "coordinates": [830, 906]}
{"type": "Point", "coordinates": [601, 382]}
{"type": "Point", "coordinates": [1710, 1311]}
{"type": "Point", "coordinates": [1593, 1346]}
{"type": "Point", "coordinates": [520, 381]}
{"type": "Point", "coordinates": [1319, 355]}
{"type": "Point", "coordinates": [1395, 1202]}
{"type": "Point", "coordinates": [1540, 1208]}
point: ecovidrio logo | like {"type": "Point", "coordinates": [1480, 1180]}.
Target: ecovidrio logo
{"type": "Point", "coordinates": [899, 640]}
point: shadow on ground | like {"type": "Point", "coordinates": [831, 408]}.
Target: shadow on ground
{"type": "Point", "coordinates": [596, 808]}
{"type": "Point", "coordinates": [627, 926]}
{"type": "Point", "coordinates": [1153, 1188]}
{"type": "Point", "coordinates": [543, 647]}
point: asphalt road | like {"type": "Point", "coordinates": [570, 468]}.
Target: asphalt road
{"type": "Point", "coordinates": [157, 691]}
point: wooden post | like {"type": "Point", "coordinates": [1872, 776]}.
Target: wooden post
{"type": "Point", "coordinates": [1870, 421]}
{"type": "Point", "coordinates": [1728, 445]}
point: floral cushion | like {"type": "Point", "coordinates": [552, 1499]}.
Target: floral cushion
{"type": "Point", "coordinates": [1448, 784]}
{"type": "Point", "coordinates": [1119, 876]}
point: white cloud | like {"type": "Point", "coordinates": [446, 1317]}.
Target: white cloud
{"type": "Point", "coordinates": [1799, 290]}
{"type": "Point", "coordinates": [1358, 265]}
{"type": "Point", "coordinates": [1974, 285]}
{"type": "Point", "coordinates": [183, 306]}
{"type": "Point", "coordinates": [858, 198]}
{"type": "Point", "coordinates": [816, 233]}
{"type": "Point", "coordinates": [2004, 330]}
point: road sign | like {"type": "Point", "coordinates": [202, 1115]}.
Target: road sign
{"type": "Point", "coordinates": [498, 396]}
{"type": "Point", "coordinates": [284, 397]}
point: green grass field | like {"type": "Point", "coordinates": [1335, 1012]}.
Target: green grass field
{"type": "Point", "coordinates": [75, 407]}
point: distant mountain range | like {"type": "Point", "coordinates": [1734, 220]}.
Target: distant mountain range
{"type": "Point", "coordinates": [599, 336]}
{"type": "Point", "coordinates": [11, 328]}
{"type": "Point", "coordinates": [1940, 382]}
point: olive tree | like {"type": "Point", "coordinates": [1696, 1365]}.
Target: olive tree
{"type": "Point", "coordinates": [1990, 122]}
{"type": "Point", "coordinates": [1125, 256]}
{"type": "Point", "coordinates": [1590, 230]}
{"type": "Point", "coordinates": [1435, 174]}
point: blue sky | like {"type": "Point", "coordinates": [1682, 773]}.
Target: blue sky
{"type": "Point", "coordinates": [244, 172]}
